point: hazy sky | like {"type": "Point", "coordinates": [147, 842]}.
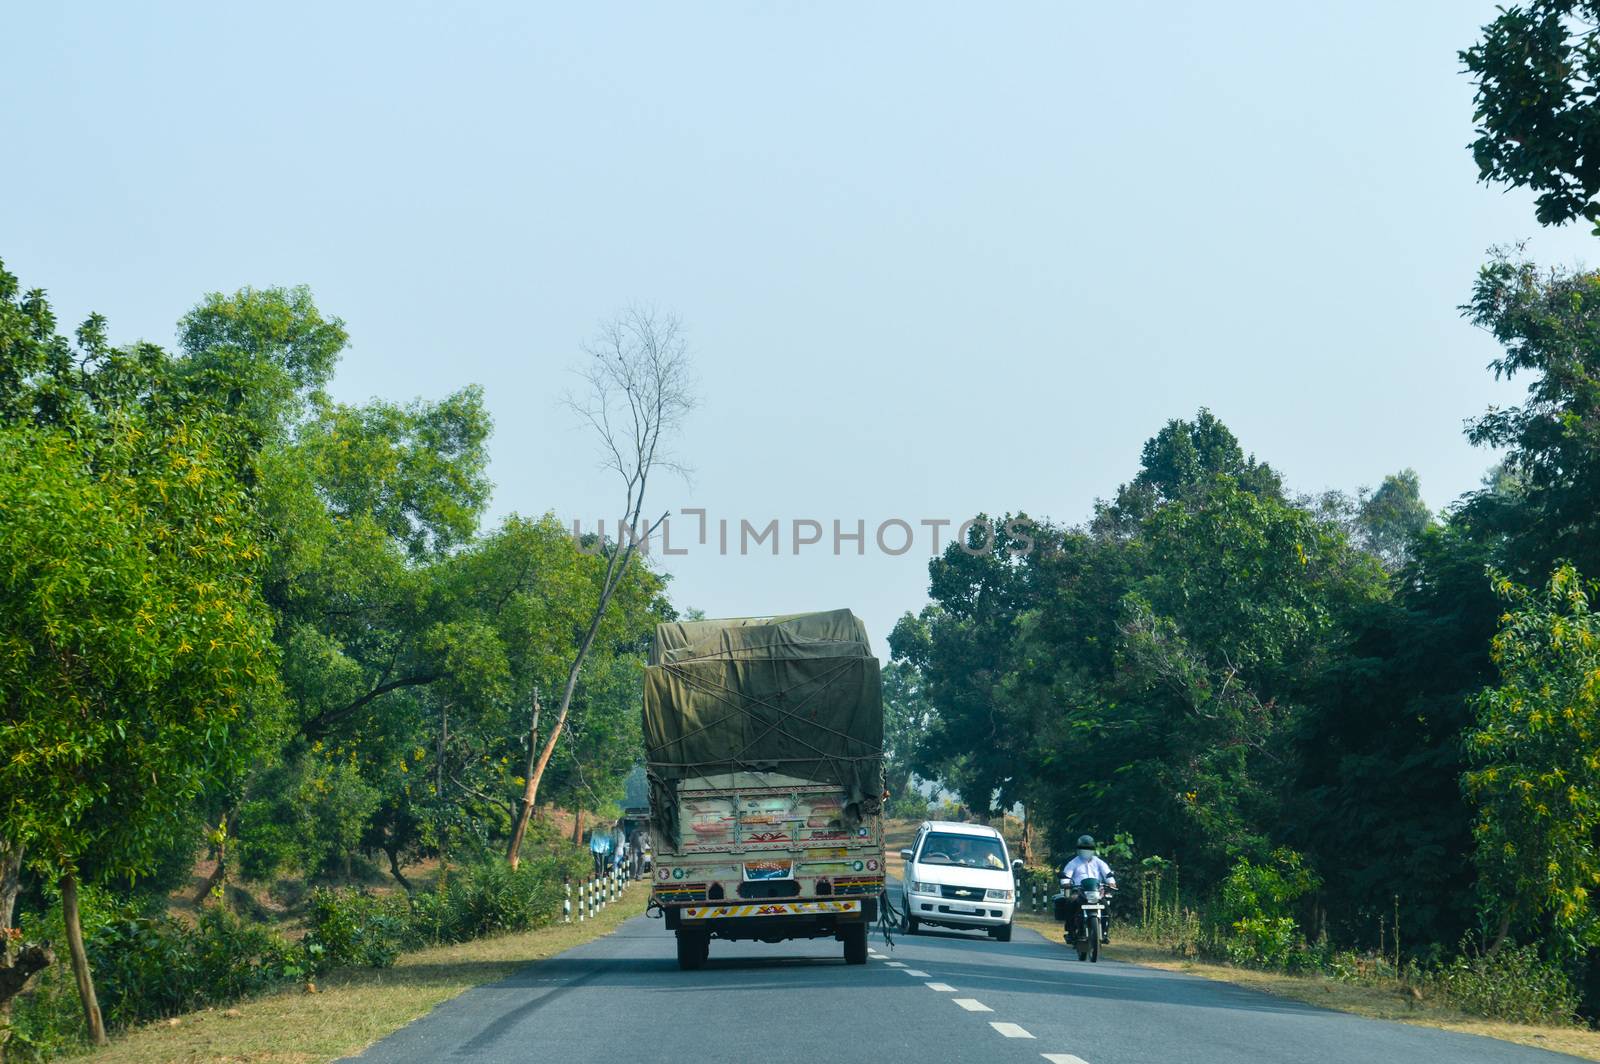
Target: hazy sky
{"type": "Point", "coordinates": [935, 258]}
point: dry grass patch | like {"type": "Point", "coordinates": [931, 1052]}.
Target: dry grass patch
{"type": "Point", "coordinates": [1376, 1002]}
{"type": "Point", "coordinates": [350, 1010]}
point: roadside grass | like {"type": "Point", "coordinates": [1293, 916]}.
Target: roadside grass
{"type": "Point", "coordinates": [353, 1008]}
{"type": "Point", "coordinates": [1378, 1002]}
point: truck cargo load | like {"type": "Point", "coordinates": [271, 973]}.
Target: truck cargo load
{"type": "Point", "coordinates": [764, 751]}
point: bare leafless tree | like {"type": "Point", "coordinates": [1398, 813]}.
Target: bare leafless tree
{"type": "Point", "coordinates": [639, 388]}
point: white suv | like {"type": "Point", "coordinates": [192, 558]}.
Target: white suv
{"type": "Point", "coordinates": [960, 875]}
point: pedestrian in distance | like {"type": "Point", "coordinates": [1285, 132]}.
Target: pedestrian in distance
{"type": "Point", "coordinates": [619, 847]}
{"type": "Point", "coordinates": [636, 854]}
{"type": "Point", "coordinates": [600, 850]}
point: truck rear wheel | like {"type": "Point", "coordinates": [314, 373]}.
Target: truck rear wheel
{"type": "Point", "coordinates": [693, 949]}
{"type": "Point", "coordinates": [855, 943]}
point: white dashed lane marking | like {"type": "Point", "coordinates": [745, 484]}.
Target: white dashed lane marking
{"type": "Point", "coordinates": [972, 1004]}
{"type": "Point", "coordinates": [1063, 1058]}
{"type": "Point", "coordinates": [943, 988]}
{"type": "Point", "coordinates": [896, 964]}
{"type": "Point", "coordinates": [1010, 1030]}
{"type": "Point", "coordinates": [913, 973]}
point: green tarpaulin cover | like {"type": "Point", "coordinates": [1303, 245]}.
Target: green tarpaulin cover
{"type": "Point", "coordinates": [798, 696]}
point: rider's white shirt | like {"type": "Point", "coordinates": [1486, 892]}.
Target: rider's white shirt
{"type": "Point", "coordinates": [1080, 868]}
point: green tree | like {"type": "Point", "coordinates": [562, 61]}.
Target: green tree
{"type": "Point", "coordinates": [1537, 69]}
{"type": "Point", "coordinates": [1535, 752]}
{"type": "Point", "coordinates": [1392, 517]}
{"type": "Point", "coordinates": [907, 717]}
{"type": "Point", "coordinates": [409, 642]}
{"type": "Point", "coordinates": [264, 354]}
{"type": "Point", "coordinates": [961, 647]}
{"type": "Point", "coordinates": [1377, 754]}
{"type": "Point", "coordinates": [133, 646]}
{"type": "Point", "coordinates": [1548, 323]}
{"type": "Point", "coordinates": [1181, 463]}
{"type": "Point", "coordinates": [1142, 674]}
{"type": "Point", "coordinates": [1237, 602]}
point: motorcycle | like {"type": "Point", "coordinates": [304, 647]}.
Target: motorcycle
{"type": "Point", "coordinates": [1091, 899]}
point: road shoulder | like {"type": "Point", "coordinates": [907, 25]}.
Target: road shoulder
{"type": "Point", "coordinates": [351, 1010]}
{"type": "Point", "coordinates": [1322, 991]}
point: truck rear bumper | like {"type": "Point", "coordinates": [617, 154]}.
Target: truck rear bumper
{"type": "Point", "coordinates": [772, 921]}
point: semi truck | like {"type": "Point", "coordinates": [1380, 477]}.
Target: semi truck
{"type": "Point", "coordinates": [764, 754]}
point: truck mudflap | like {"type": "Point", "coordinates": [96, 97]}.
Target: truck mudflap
{"type": "Point", "coordinates": [778, 908]}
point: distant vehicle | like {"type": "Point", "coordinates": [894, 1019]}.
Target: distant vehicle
{"type": "Point", "coordinates": [764, 747]}
{"type": "Point", "coordinates": [961, 876]}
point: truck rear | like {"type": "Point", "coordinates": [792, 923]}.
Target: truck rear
{"type": "Point", "coordinates": [764, 750]}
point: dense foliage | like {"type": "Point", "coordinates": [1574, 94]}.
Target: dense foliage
{"type": "Point", "coordinates": [1243, 680]}
{"type": "Point", "coordinates": [241, 620]}
{"type": "Point", "coordinates": [1326, 711]}
{"type": "Point", "coordinates": [1537, 69]}
{"type": "Point", "coordinates": [150, 965]}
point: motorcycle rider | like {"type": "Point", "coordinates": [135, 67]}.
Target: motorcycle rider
{"type": "Point", "coordinates": [1087, 865]}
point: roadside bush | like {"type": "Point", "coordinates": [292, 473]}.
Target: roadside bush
{"type": "Point", "coordinates": [1263, 940]}
{"type": "Point", "coordinates": [48, 1020]}
{"type": "Point", "coordinates": [143, 969]}
{"type": "Point", "coordinates": [1184, 931]}
{"type": "Point", "coordinates": [1251, 920]}
{"type": "Point", "coordinates": [1514, 985]}
{"type": "Point", "coordinates": [354, 929]}
{"type": "Point", "coordinates": [235, 958]}
{"type": "Point", "coordinates": [491, 899]}
{"type": "Point", "coordinates": [147, 966]}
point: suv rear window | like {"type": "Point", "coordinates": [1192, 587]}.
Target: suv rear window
{"type": "Point", "coordinates": [969, 851]}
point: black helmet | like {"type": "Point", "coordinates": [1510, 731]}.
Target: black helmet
{"type": "Point", "coordinates": [1085, 842]}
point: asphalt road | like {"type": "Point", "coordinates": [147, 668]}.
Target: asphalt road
{"type": "Point", "coordinates": [934, 997]}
